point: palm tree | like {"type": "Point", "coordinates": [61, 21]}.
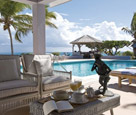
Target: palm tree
{"type": "Point", "coordinates": [132, 32]}
{"type": "Point", "coordinates": [10, 17]}
{"type": "Point", "coordinates": [22, 23]}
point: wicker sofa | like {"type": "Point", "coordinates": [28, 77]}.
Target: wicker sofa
{"type": "Point", "coordinates": [50, 79]}
{"type": "Point", "coordinates": [16, 89]}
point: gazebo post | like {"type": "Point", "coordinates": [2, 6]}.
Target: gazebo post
{"type": "Point", "coordinates": [73, 47]}
{"type": "Point", "coordinates": [79, 47]}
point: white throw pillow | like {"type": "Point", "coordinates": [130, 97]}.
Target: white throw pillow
{"type": "Point", "coordinates": [8, 70]}
{"type": "Point", "coordinates": [44, 67]}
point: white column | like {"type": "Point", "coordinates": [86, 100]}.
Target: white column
{"type": "Point", "coordinates": [38, 28]}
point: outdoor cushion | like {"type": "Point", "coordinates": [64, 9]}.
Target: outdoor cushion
{"type": "Point", "coordinates": [29, 65]}
{"type": "Point", "coordinates": [8, 70]}
{"type": "Point", "coordinates": [44, 67]}
{"type": "Point", "coordinates": [15, 87]}
{"type": "Point", "coordinates": [129, 71]}
{"type": "Point", "coordinates": [53, 82]}
{"type": "Point", "coordinates": [8, 57]}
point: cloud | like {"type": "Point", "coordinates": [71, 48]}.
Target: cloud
{"type": "Point", "coordinates": [30, 14]}
{"type": "Point", "coordinates": [84, 19]}
{"type": "Point", "coordinates": [104, 31]}
{"type": "Point", "coordinates": [59, 39]}
{"type": "Point", "coordinates": [63, 14]}
{"type": "Point", "coordinates": [68, 31]}
{"type": "Point", "coordinates": [109, 31]}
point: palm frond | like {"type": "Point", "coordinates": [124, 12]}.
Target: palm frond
{"type": "Point", "coordinates": [133, 22]}
{"type": "Point", "coordinates": [21, 25]}
{"type": "Point", "coordinates": [127, 30]}
{"type": "Point", "coordinates": [17, 25]}
{"type": "Point", "coordinates": [50, 24]}
{"type": "Point", "coordinates": [23, 18]}
{"type": "Point", "coordinates": [21, 32]}
{"type": "Point", "coordinates": [49, 16]}
{"type": "Point", "coordinates": [10, 8]}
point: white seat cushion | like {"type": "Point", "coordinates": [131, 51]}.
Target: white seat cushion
{"type": "Point", "coordinates": [53, 82]}
{"type": "Point", "coordinates": [15, 87]}
{"type": "Point", "coordinates": [8, 70]}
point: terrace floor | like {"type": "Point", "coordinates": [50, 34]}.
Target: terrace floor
{"type": "Point", "coordinates": [127, 93]}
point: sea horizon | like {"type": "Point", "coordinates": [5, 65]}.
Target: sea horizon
{"type": "Point", "coordinates": [60, 53]}
{"type": "Point", "coordinates": [19, 53]}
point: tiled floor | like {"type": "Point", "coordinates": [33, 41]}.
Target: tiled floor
{"type": "Point", "coordinates": [127, 93]}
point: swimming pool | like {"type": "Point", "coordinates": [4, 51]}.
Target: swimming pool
{"type": "Point", "coordinates": [83, 68]}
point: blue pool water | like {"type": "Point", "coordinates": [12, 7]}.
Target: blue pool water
{"type": "Point", "coordinates": [83, 68]}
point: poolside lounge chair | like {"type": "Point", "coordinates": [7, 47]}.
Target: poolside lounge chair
{"type": "Point", "coordinates": [133, 67]}
{"type": "Point", "coordinates": [124, 74]}
{"type": "Point", "coordinates": [50, 79]}
{"type": "Point", "coordinates": [16, 89]}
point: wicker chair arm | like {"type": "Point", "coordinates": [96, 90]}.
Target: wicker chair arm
{"type": "Point", "coordinates": [29, 74]}
{"type": "Point", "coordinates": [63, 73]}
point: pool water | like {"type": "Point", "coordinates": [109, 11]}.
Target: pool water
{"type": "Point", "coordinates": [83, 68]}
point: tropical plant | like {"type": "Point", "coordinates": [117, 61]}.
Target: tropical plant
{"type": "Point", "coordinates": [56, 53]}
{"type": "Point", "coordinates": [112, 47]}
{"type": "Point", "coordinates": [96, 46]}
{"type": "Point", "coordinates": [22, 23]}
{"type": "Point", "coordinates": [26, 53]}
{"type": "Point", "coordinates": [132, 30]}
{"type": "Point", "coordinates": [127, 53]}
{"type": "Point", "coordinates": [10, 18]}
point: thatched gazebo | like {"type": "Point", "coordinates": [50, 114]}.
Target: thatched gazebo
{"type": "Point", "coordinates": [84, 40]}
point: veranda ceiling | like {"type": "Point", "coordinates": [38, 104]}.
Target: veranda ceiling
{"type": "Point", "coordinates": [51, 3]}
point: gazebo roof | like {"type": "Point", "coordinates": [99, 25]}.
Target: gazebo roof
{"type": "Point", "coordinates": [86, 39]}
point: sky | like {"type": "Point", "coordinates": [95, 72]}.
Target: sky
{"type": "Point", "coordinates": [102, 19]}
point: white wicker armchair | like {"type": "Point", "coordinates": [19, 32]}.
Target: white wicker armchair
{"type": "Point", "coordinates": [16, 89]}
{"type": "Point", "coordinates": [50, 79]}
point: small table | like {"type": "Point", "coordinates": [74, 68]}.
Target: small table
{"type": "Point", "coordinates": [95, 107]}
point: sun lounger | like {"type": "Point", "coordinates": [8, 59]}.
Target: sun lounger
{"type": "Point", "coordinates": [133, 67]}
{"type": "Point", "coordinates": [124, 74]}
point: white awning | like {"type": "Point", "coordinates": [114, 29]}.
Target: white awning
{"type": "Point", "coordinates": [51, 3]}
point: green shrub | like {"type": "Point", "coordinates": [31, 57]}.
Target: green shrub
{"type": "Point", "coordinates": [56, 53]}
{"type": "Point", "coordinates": [26, 53]}
{"type": "Point", "coordinates": [127, 53]}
